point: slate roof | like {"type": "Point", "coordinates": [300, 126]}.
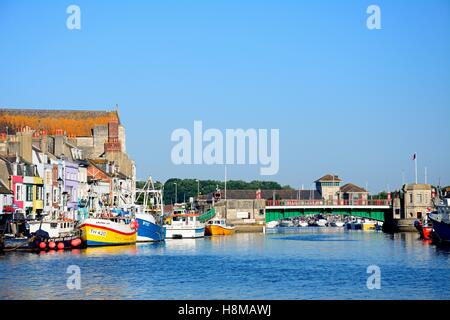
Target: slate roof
{"type": "Point", "coordinates": [351, 188]}
{"type": "Point", "coordinates": [100, 164]}
{"type": "Point", "coordinates": [23, 169]}
{"type": "Point", "coordinates": [4, 189]}
{"type": "Point", "coordinates": [329, 178]}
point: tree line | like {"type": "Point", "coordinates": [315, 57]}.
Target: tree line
{"type": "Point", "coordinates": [180, 190]}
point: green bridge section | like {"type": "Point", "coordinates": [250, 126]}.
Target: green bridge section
{"type": "Point", "coordinates": [207, 216]}
{"type": "Point", "coordinates": [280, 214]}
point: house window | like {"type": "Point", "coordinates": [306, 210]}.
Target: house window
{"type": "Point", "coordinates": [419, 215]}
{"type": "Point", "coordinates": [419, 198]}
{"type": "Point", "coordinates": [18, 192]}
{"type": "Point", "coordinates": [47, 199]}
{"type": "Point", "coordinates": [39, 193]}
{"type": "Point", "coordinates": [411, 200]}
{"type": "Point", "coordinates": [29, 193]}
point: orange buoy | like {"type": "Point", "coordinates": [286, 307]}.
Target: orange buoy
{"type": "Point", "coordinates": [51, 245]}
{"type": "Point", "coordinates": [75, 242]}
{"type": "Point", "coordinates": [60, 246]}
{"type": "Point", "coordinates": [42, 245]}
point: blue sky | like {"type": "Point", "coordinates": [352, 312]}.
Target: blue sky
{"type": "Point", "coordinates": [346, 99]}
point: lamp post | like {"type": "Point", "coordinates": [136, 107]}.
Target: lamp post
{"type": "Point", "coordinates": [60, 193]}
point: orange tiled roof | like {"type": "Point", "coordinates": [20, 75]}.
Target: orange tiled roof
{"type": "Point", "coordinates": [75, 122]}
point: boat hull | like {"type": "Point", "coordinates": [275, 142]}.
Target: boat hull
{"type": "Point", "coordinates": [368, 227]}
{"type": "Point", "coordinates": [99, 232]}
{"type": "Point", "coordinates": [148, 230]}
{"type": "Point", "coordinates": [214, 230]}
{"type": "Point", "coordinates": [184, 233]}
{"type": "Point", "coordinates": [442, 230]}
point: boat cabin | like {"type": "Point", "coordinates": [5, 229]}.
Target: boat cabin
{"type": "Point", "coordinates": [54, 229]}
{"type": "Point", "coordinates": [217, 222]}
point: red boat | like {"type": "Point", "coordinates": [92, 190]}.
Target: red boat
{"type": "Point", "coordinates": [425, 232]}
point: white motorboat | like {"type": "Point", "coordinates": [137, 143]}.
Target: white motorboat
{"type": "Point", "coordinates": [338, 224]}
{"type": "Point", "coordinates": [272, 224]}
{"type": "Point", "coordinates": [286, 223]}
{"type": "Point", "coordinates": [322, 222]}
{"type": "Point", "coordinates": [303, 224]}
{"type": "Point", "coordinates": [184, 225]}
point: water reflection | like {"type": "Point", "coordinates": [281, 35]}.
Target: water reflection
{"type": "Point", "coordinates": [110, 251]}
{"type": "Point", "coordinates": [310, 263]}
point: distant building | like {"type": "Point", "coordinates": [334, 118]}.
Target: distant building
{"type": "Point", "coordinates": [353, 194]}
{"type": "Point", "coordinates": [26, 185]}
{"type": "Point", "coordinates": [411, 203]}
{"type": "Point", "coordinates": [329, 187]}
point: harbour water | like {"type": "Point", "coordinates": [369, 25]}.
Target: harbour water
{"type": "Point", "coordinates": [310, 263]}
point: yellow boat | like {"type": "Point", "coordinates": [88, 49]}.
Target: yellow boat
{"type": "Point", "coordinates": [218, 227]}
{"type": "Point", "coordinates": [368, 226]}
{"type": "Point", "coordinates": [107, 232]}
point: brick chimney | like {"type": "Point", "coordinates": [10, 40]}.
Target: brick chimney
{"type": "Point", "coordinates": [113, 143]}
{"type": "Point", "coordinates": [25, 137]}
{"type": "Point", "coordinates": [58, 147]}
{"type": "Point", "coordinates": [43, 145]}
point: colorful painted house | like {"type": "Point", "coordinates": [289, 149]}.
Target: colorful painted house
{"type": "Point", "coordinates": [27, 188]}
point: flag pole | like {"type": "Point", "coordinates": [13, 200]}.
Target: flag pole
{"type": "Point", "coordinates": [415, 162]}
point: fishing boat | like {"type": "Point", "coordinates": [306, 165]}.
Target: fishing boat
{"type": "Point", "coordinates": [322, 223]}
{"type": "Point", "coordinates": [183, 224]}
{"type": "Point", "coordinates": [108, 230]}
{"type": "Point", "coordinates": [150, 215]}
{"type": "Point", "coordinates": [218, 227]}
{"type": "Point", "coordinates": [441, 221]}
{"type": "Point", "coordinates": [42, 235]}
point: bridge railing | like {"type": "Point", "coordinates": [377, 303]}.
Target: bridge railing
{"type": "Point", "coordinates": [300, 203]}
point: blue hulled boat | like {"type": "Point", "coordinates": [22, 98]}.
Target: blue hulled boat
{"type": "Point", "coordinates": [150, 215]}
{"type": "Point", "coordinates": [441, 221]}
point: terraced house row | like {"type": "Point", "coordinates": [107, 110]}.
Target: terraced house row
{"type": "Point", "coordinates": [54, 161]}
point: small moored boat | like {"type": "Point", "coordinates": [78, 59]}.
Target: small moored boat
{"type": "Point", "coordinates": [183, 225]}
{"type": "Point", "coordinates": [111, 231]}
{"type": "Point", "coordinates": [218, 227]}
